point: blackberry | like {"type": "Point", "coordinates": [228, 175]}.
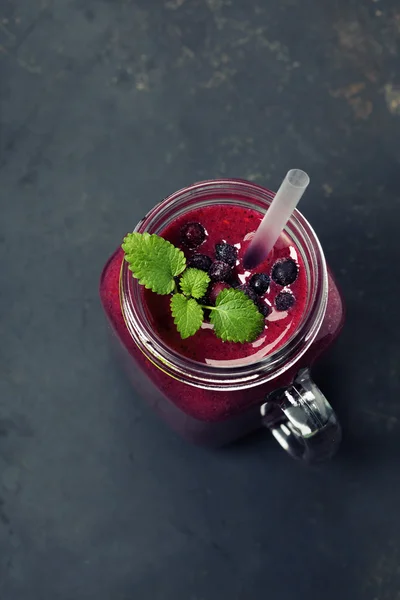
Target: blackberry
{"type": "Point", "coordinates": [285, 271]}
{"type": "Point", "coordinates": [284, 300]}
{"type": "Point", "coordinates": [259, 282]}
{"type": "Point", "coordinates": [226, 253]}
{"type": "Point", "coordinates": [219, 271]}
{"type": "Point", "coordinates": [199, 261]}
{"type": "Point", "coordinates": [193, 234]}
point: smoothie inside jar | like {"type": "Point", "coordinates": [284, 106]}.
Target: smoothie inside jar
{"type": "Point", "coordinates": [234, 225]}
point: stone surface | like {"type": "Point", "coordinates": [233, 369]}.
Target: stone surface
{"type": "Point", "coordinates": [106, 107]}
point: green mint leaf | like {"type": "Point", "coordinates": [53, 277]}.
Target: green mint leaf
{"type": "Point", "coordinates": [188, 315]}
{"type": "Point", "coordinates": [194, 283]}
{"type": "Point", "coordinates": [153, 261]}
{"type": "Point", "coordinates": [235, 317]}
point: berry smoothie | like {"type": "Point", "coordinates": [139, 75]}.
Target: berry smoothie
{"type": "Point", "coordinates": [281, 295]}
{"type": "Point", "coordinates": [208, 390]}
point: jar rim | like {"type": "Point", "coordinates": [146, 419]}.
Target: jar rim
{"type": "Point", "coordinates": [251, 374]}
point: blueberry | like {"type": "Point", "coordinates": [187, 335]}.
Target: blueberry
{"type": "Point", "coordinates": [264, 308]}
{"type": "Point", "coordinates": [259, 282]}
{"type": "Point", "coordinates": [249, 292]}
{"type": "Point", "coordinates": [284, 300]}
{"type": "Point", "coordinates": [193, 234]}
{"type": "Point", "coordinates": [200, 261]}
{"type": "Point", "coordinates": [216, 289]}
{"type": "Point", "coordinates": [285, 271]}
{"type": "Point", "coordinates": [226, 253]}
{"type": "Point", "coordinates": [219, 271]}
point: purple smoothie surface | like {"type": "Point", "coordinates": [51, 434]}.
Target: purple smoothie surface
{"type": "Point", "coordinates": [234, 225]}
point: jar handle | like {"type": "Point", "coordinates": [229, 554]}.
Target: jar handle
{"type": "Point", "coordinates": [302, 420]}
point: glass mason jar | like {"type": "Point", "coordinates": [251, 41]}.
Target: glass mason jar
{"type": "Point", "coordinates": [214, 405]}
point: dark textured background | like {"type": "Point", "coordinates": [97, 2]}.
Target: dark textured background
{"type": "Point", "coordinates": [106, 107]}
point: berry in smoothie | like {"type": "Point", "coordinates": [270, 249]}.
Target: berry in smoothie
{"type": "Point", "coordinates": [220, 271]}
{"type": "Point", "coordinates": [259, 282]}
{"type": "Point", "coordinates": [264, 307]}
{"type": "Point", "coordinates": [248, 290]}
{"type": "Point", "coordinates": [193, 234]}
{"type": "Point", "coordinates": [200, 261]}
{"type": "Point", "coordinates": [284, 272]}
{"type": "Point", "coordinates": [227, 253]}
{"type": "Point", "coordinates": [284, 301]}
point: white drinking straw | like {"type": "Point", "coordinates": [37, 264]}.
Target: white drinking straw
{"type": "Point", "coordinates": [276, 217]}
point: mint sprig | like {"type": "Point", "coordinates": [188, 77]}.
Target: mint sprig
{"type": "Point", "coordinates": [194, 283]}
{"type": "Point", "coordinates": [157, 264]}
{"type": "Point", "coordinates": [153, 261]}
{"type": "Point", "coordinates": [188, 315]}
{"type": "Point", "coordinates": [235, 317]}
